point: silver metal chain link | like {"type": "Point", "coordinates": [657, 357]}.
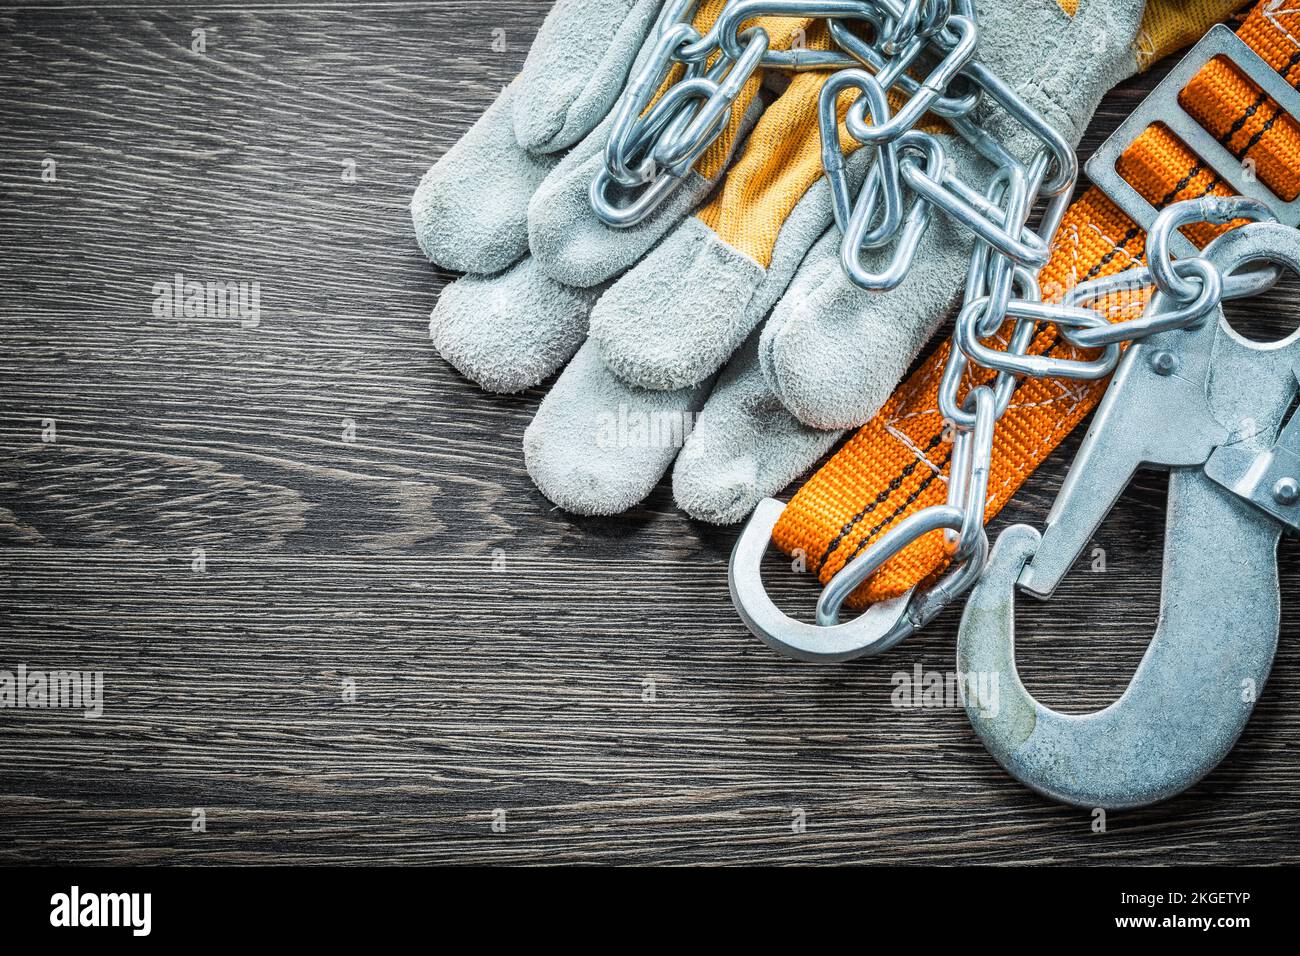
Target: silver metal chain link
{"type": "Point", "coordinates": [654, 143]}
{"type": "Point", "coordinates": [1002, 290]}
{"type": "Point", "coordinates": [924, 52]}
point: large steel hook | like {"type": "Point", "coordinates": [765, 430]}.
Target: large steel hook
{"type": "Point", "coordinates": [1208, 404]}
{"type": "Point", "coordinates": [1190, 697]}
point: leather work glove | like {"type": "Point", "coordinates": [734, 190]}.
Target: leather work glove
{"type": "Point", "coordinates": [509, 206]}
{"type": "Point", "coordinates": [834, 353]}
{"type": "Point", "coordinates": [675, 299]}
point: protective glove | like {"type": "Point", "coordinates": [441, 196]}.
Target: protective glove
{"type": "Point", "coordinates": [501, 206]}
{"type": "Point", "coordinates": [509, 205]}
{"type": "Point", "coordinates": [831, 353]}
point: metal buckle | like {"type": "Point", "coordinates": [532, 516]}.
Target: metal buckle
{"type": "Point", "coordinates": [1162, 107]}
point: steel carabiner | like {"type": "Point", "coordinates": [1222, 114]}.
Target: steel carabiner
{"type": "Point", "coordinates": [1208, 404]}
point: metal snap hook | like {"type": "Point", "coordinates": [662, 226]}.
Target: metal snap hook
{"type": "Point", "coordinates": [1213, 647]}
{"type": "Point", "coordinates": [1184, 708]}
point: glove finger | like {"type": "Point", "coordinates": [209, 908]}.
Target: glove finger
{"type": "Point", "coordinates": [569, 239]}
{"type": "Point", "coordinates": [745, 446]}
{"type": "Point", "coordinates": [470, 210]}
{"type": "Point", "coordinates": [576, 69]}
{"type": "Point", "coordinates": [833, 352]}
{"type": "Point", "coordinates": [574, 246]}
{"type": "Point", "coordinates": [509, 331]}
{"type": "Point", "coordinates": [678, 315]}
{"type": "Point", "coordinates": [597, 446]}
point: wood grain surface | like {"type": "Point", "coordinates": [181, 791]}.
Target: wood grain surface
{"type": "Point", "coordinates": [367, 529]}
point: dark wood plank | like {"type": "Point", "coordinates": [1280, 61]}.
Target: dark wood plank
{"type": "Point", "coordinates": [372, 559]}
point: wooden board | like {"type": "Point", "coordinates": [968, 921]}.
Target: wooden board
{"type": "Point", "coordinates": [367, 528]}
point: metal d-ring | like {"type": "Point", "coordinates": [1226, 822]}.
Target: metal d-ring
{"type": "Point", "coordinates": [881, 626]}
{"type": "Point", "coordinates": [878, 628]}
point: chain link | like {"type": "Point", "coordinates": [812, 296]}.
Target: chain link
{"type": "Point", "coordinates": [1001, 295]}
{"type": "Point", "coordinates": [654, 143]}
{"type": "Point", "coordinates": [922, 51]}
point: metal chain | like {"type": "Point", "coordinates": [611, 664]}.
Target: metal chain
{"type": "Point", "coordinates": [652, 146]}
{"type": "Point", "coordinates": [654, 143]}
{"type": "Point", "coordinates": [1001, 290]}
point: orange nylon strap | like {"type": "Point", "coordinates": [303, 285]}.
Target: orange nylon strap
{"type": "Point", "coordinates": [897, 463]}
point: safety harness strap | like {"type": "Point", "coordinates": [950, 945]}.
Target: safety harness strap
{"type": "Point", "coordinates": [897, 463]}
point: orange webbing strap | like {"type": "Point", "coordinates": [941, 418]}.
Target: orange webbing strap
{"type": "Point", "coordinates": [896, 464]}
